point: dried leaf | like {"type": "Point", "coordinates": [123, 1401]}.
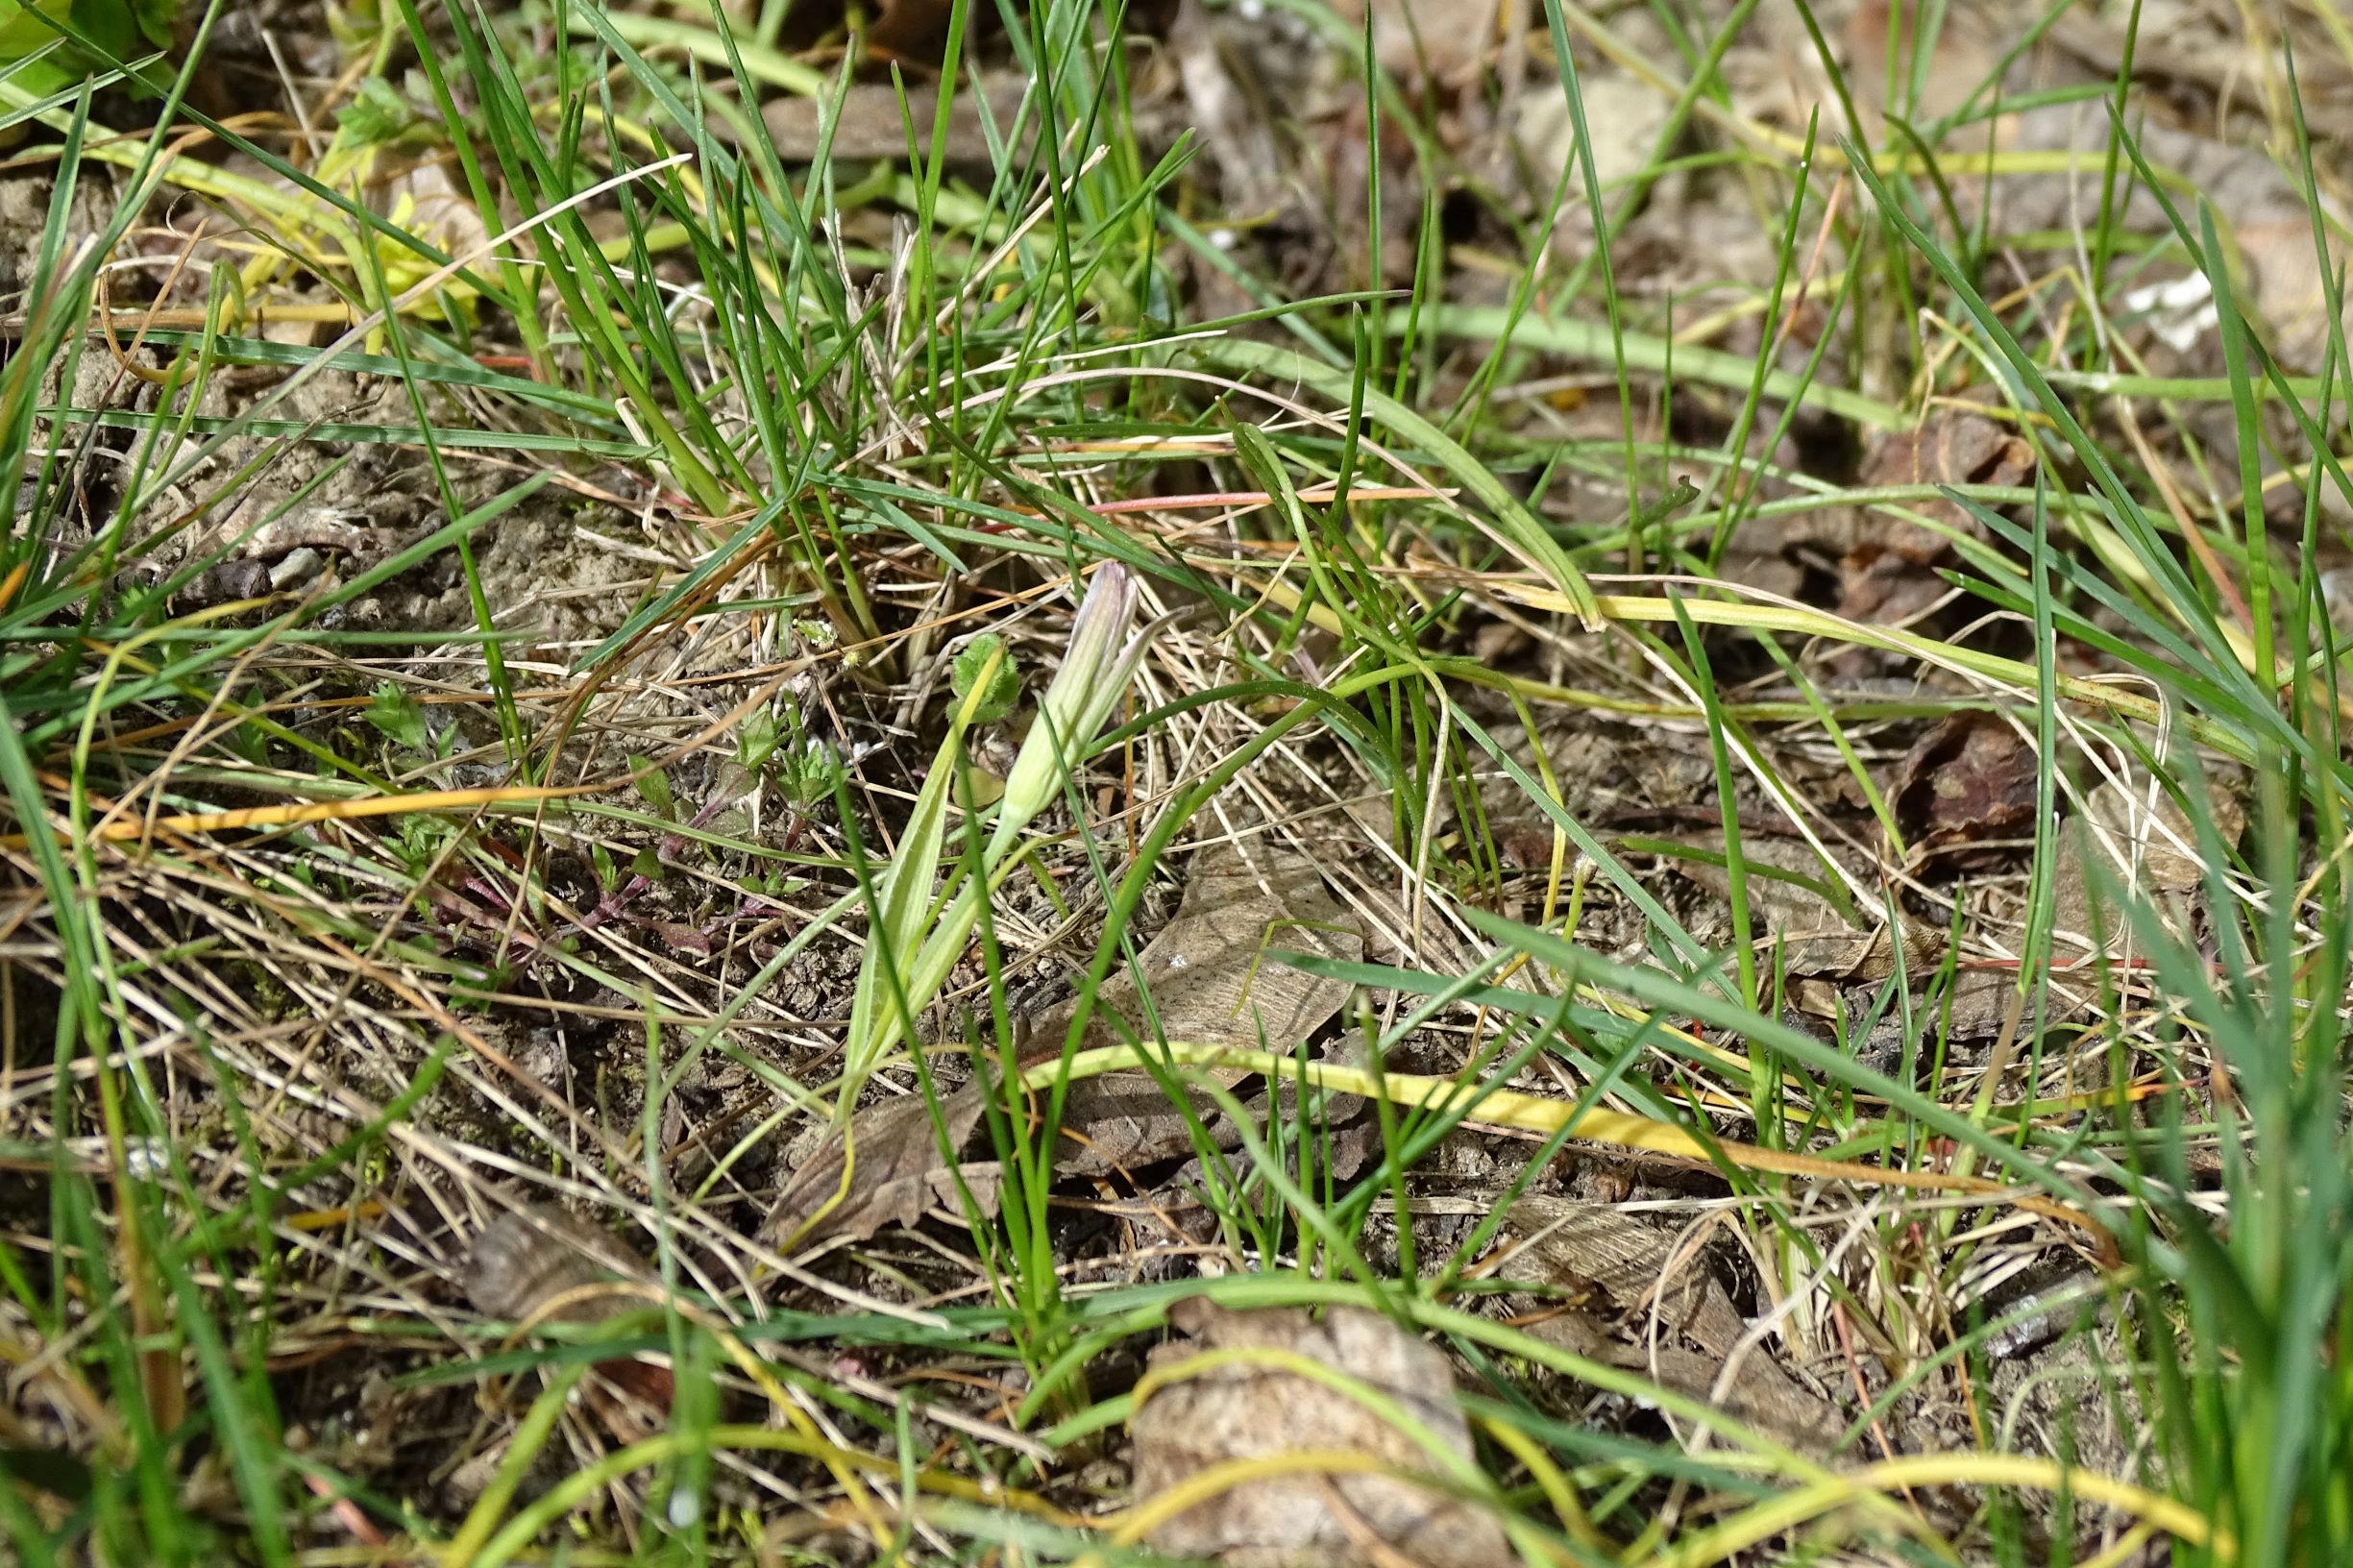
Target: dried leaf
{"type": "Point", "coordinates": [1210, 982]}
{"type": "Point", "coordinates": [872, 123]}
{"type": "Point", "coordinates": [2151, 851]}
{"type": "Point", "coordinates": [1963, 52]}
{"type": "Point", "coordinates": [1952, 447]}
{"type": "Point", "coordinates": [1888, 574]}
{"type": "Point", "coordinates": [1624, 116]}
{"type": "Point", "coordinates": [1624, 1280]}
{"type": "Point", "coordinates": [1814, 939]}
{"type": "Point", "coordinates": [1242, 1410]}
{"type": "Point", "coordinates": [1444, 43]}
{"type": "Point", "coordinates": [1207, 48]}
{"type": "Point", "coordinates": [897, 1171]}
{"type": "Point", "coordinates": [2256, 203]}
{"type": "Point", "coordinates": [535, 1263]}
{"type": "Point", "coordinates": [532, 1255]}
{"type": "Point", "coordinates": [1969, 779]}
{"type": "Point", "coordinates": [2155, 846]}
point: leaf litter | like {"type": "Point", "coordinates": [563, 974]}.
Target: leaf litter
{"type": "Point", "coordinates": [1209, 978]}
{"type": "Point", "coordinates": [1631, 1294]}
{"type": "Point", "coordinates": [1226, 1395]}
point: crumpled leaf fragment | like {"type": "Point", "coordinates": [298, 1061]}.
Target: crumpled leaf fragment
{"type": "Point", "coordinates": [1444, 43]}
{"type": "Point", "coordinates": [1211, 981]}
{"type": "Point", "coordinates": [2151, 849]}
{"type": "Point", "coordinates": [1242, 1409]}
{"type": "Point", "coordinates": [1807, 936]}
{"type": "Point", "coordinates": [1889, 572]}
{"type": "Point", "coordinates": [1968, 780]}
{"type": "Point", "coordinates": [537, 1263]}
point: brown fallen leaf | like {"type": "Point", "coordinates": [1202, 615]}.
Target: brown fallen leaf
{"type": "Point", "coordinates": [1444, 43]}
{"type": "Point", "coordinates": [1950, 447]}
{"type": "Point", "coordinates": [2152, 851]}
{"type": "Point", "coordinates": [1967, 43]}
{"type": "Point", "coordinates": [533, 1257]}
{"type": "Point", "coordinates": [872, 124]}
{"type": "Point", "coordinates": [1240, 1411]}
{"type": "Point", "coordinates": [897, 1172]}
{"type": "Point", "coordinates": [1806, 935]}
{"type": "Point", "coordinates": [1228, 114]}
{"type": "Point", "coordinates": [1968, 780]}
{"type": "Point", "coordinates": [1889, 572]}
{"type": "Point", "coordinates": [1624, 1278]}
{"type": "Point", "coordinates": [534, 1264]}
{"type": "Point", "coordinates": [1210, 981]}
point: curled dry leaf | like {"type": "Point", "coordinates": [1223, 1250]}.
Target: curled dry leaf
{"type": "Point", "coordinates": [1242, 1410]}
{"type": "Point", "coordinates": [1631, 1297]}
{"type": "Point", "coordinates": [1809, 937]}
{"type": "Point", "coordinates": [1952, 447]}
{"type": "Point", "coordinates": [1968, 781]}
{"type": "Point", "coordinates": [1211, 981]}
{"type": "Point", "coordinates": [1888, 573]}
{"type": "Point", "coordinates": [2150, 849]}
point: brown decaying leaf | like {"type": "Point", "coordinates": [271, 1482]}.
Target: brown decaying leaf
{"type": "Point", "coordinates": [1808, 936]}
{"type": "Point", "coordinates": [1885, 566]}
{"type": "Point", "coordinates": [531, 1255]}
{"type": "Point", "coordinates": [1887, 573]}
{"type": "Point", "coordinates": [2151, 851]}
{"type": "Point", "coordinates": [1952, 447]}
{"type": "Point", "coordinates": [874, 118]}
{"type": "Point", "coordinates": [1241, 1410]}
{"type": "Point", "coordinates": [1969, 779]}
{"type": "Point", "coordinates": [529, 1261]}
{"type": "Point", "coordinates": [1618, 1272]}
{"type": "Point", "coordinates": [1443, 42]}
{"type": "Point", "coordinates": [1210, 982]}
{"type": "Point", "coordinates": [897, 1171]}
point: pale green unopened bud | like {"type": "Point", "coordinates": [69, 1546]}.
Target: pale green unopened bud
{"type": "Point", "coordinates": [1086, 691]}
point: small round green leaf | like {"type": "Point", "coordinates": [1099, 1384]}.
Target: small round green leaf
{"type": "Point", "coordinates": [986, 658]}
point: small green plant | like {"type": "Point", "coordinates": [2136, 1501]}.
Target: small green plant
{"type": "Point", "coordinates": [984, 667]}
{"type": "Point", "coordinates": [917, 938]}
{"type": "Point", "coordinates": [395, 710]}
